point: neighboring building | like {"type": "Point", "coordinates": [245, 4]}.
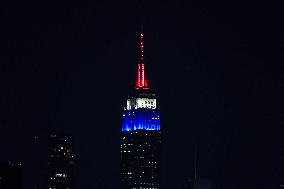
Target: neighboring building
{"type": "Point", "coordinates": [60, 162]}
{"type": "Point", "coordinates": [141, 135]}
{"type": "Point", "coordinates": [10, 175]}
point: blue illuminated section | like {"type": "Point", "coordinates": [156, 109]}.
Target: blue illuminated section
{"type": "Point", "coordinates": [141, 119]}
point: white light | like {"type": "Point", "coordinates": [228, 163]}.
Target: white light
{"type": "Point", "coordinates": [61, 175]}
{"type": "Point", "coordinates": [135, 103]}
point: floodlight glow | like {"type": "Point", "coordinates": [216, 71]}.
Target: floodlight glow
{"type": "Point", "coordinates": [141, 82]}
{"type": "Point", "coordinates": [135, 103]}
{"type": "Point", "coordinates": [141, 119]}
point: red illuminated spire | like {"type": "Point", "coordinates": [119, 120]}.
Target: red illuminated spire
{"type": "Point", "coordinates": [141, 82]}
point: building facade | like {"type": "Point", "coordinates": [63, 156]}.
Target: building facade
{"type": "Point", "coordinates": [60, 162]}
{"type": "Point", "coordinates": [141, 135]}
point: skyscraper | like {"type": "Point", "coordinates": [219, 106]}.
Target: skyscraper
{"type": "Point", "coordinates": [60, 162]}
{"type": "Point", "coordinates": [141, 135]}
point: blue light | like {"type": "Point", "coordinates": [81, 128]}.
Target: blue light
{"type": "Point", "coordinates": [141, 119]}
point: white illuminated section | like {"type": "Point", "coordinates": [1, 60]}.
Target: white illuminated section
{"type": "Point", "coordinates": [136, 103]}
{"type": "Point", "coordinates": [145, 103]}
{"type": "Point", "coordinates": [61, 175]}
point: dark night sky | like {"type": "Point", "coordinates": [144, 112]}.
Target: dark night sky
{"type": "Point", "coordinates": [68, 66]}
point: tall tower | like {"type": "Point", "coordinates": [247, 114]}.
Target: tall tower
{"type": "Point", "coordinates": [141, 135]}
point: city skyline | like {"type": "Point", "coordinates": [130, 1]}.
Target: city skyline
{"type": "Point", "coordinates": [68, 66]}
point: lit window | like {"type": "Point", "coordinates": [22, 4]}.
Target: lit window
{"type": "Point", "coordinates": [61, 175]}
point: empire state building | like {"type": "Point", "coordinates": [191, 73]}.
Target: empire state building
{"type": "Point", "coordinates": [141, 135]}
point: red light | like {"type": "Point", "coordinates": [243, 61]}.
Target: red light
{"type": "Point", "coordinates": [141, 82]}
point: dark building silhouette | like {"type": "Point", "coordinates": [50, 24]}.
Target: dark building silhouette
{"type": "Point", "coordinates": [60, 162]}
{"type": "Point", "coordinates": [141, 135]}
{"type": "Point", "coordinates": [10, 175]}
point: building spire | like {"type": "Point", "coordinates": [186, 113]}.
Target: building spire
{"type": "Point", "coordinates": [141, 82]}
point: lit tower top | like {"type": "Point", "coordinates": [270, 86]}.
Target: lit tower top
{"type": "Point", "coordinates": [141, 111]}
{"type": "Point", "coordinates": [141, 82]}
